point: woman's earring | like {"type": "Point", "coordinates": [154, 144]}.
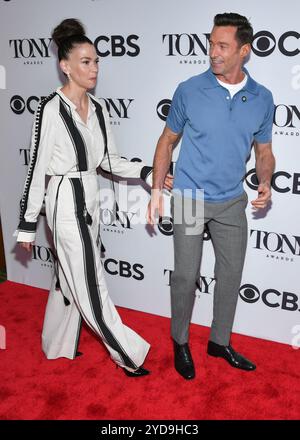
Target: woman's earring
{"type": "Point", "coordinates": [69, 77]}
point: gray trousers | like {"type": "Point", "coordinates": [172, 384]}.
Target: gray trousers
{"type": "Point", "coordinates": [227, 224]}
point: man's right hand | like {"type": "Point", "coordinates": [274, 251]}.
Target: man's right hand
{"type": "Point", "coordinates": [161, 178]}
{"type": "Point", "coordinates": [155, 207]}
{"type": "Point", "coordinates": [27, 245]}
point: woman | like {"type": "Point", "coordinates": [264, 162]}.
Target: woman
{"type": "Point", "coordinates": [71, 138]}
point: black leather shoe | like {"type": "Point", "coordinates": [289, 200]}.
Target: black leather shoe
{"type": "Point", "coordinates": [232, 357]}
{"type": "Point", "coordinates": [183, 361]}
{"type": "Point", "coordinates": [137, 373]}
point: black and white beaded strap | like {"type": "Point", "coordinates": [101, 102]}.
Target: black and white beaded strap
{"type": "Point", "coordinates": [23, 225]}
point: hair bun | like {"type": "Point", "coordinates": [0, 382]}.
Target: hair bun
{"type": "Point", "coordinates": [66, 29]}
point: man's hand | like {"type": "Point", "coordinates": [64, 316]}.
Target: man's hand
{"type": "Point", "coordinates": [264, 196]}
{"type": "Point", "coordinates": [27, 245]}
{"type": "Point", "coordinates": [155, 207]}
{"type": "Point", "coordinates": [265, 164]}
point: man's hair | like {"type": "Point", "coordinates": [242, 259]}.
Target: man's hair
{"type": "Point", "coordinates": [244, 32]}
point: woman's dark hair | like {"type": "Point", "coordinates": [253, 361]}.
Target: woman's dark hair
{"type": "Point", "coordinates": [67, 35]}
{"type": "Point", "coordinates": [244, 32]}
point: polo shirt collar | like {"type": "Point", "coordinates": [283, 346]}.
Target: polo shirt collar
{"type": "Point", "coordinates": [251, 85]}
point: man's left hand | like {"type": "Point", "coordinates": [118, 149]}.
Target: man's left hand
{"type": "Point", "coordinates": [264, 196]}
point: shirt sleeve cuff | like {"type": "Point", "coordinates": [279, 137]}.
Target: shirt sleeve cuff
{"type": "Point", "coordinates": [26, 237]}
{"type": "Point", "coordinates": [263, 140]}
{"type": "Point", "coordinates": [27, 226]}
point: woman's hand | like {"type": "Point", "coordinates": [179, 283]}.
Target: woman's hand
{"type": "Point", "coordinates": [155, 207]}
{"type": "Point", "coordinates": [168, 183]}
{"type": "Point", "coordinates": [27, 245]}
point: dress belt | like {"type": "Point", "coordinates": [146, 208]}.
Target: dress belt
{"type": "Point", "coordinates": [76, 174]}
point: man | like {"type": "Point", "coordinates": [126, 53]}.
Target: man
{"type": "Point", "coordinates": [220, 114]}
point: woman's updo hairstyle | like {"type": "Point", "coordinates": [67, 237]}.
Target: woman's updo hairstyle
{"type": "Point", "coordinates": [67, 35]}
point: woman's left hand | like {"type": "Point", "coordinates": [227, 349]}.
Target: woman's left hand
{"type": "Point", "coordinates": [168, 183]}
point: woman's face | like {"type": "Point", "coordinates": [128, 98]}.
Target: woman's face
{"type": "Point", "coordinates": [82, 65]}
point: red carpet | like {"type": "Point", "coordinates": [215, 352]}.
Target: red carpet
{"type": "Point", "coordinates": [89, 387]}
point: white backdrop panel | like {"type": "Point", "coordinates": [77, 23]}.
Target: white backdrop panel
{"type": "Point", "coordinates": [146, 49]}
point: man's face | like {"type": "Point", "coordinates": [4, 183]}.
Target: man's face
{"type": "Point", "coordinates": [226, 55]}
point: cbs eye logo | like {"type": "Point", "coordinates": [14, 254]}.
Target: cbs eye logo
{"type": "Point", "coordinates": [251, 179]}
{"type": "Point", "coordinates": [165, 225]}
{"type": "Point", "coordinates": [18, 105]}
{"type": "Point", "coordinates": [264, 43]}
{"type": "Point", "coordinates": [163, 108]}
{"type": "Point", "coordinates": [249, 293]}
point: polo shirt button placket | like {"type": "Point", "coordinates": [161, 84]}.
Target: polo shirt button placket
{"type": "Point", "coordinates": [232, 102]}
{"type": "Point", "coordinates": [228, 100]}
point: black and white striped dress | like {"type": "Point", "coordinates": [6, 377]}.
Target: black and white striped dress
{"type": "Point", "coordinates": [69, 151]}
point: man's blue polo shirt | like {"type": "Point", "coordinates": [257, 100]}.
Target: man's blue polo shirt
{"type": "Point", "coordinates": [218, 133]}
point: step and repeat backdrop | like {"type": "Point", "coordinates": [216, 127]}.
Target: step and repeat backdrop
{"type": "Point", "coordinates": [146, 48]}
